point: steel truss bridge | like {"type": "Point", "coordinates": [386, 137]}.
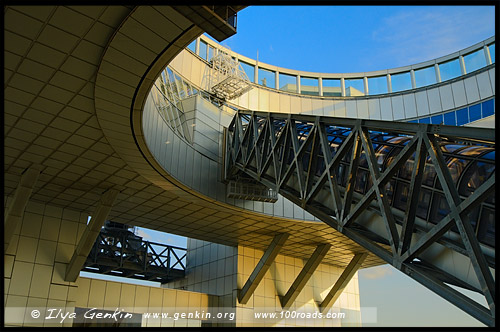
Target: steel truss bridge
{"type": "Point", "coordinates": [124, 255]}
{"type": "Point", "coordinates": [419, 196]}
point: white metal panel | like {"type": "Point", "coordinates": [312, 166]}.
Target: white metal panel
{"type": "Point", "coordinates": [340, 109]}
{"type": "Point", "coordinates": [410, 106]}
{"type": "Point", "coordinates": [362, 105]}
{"type": "Point", "coordinates": [196, 72]}
{"type": "Point", "coordinates": [483, 82]}
{"type": "Point", "coordinates": [274, 102]}
{"type": "Point", "coordinates": [422, 103]}
{"type": "Point", "coordinates": [295, 105]}
{"type": "Point", "coordinates": [434, 100]}
{"type": "Point", "coordinates": [471, 89]}
{"type": "Point", "coordinates": [253, 99]}
{"type": "Point", "coordinates": [317, 106]}
{"type": "Point", "coordinates": [446, 97]}
{"type": "Point", "coordinates": [351, 111]}
{"type": "Point", "coordinates": [284, 103]}
{"type": "Point", "coordinates": [398, 110]}
{"type": "Point", "coordinates": [306, 105]}
{"type": "Point", "coordinates": [328, 107]}
{"type": "Point", "coordinates": [458, 90]}
{"type": "Point", "coordinates": [243, 100]}
{"type": "Point", "coordinates": [187, 63]}
{"type": "Point", "coordinates": [386, 109]}
{"type": "Point", "coordinates": [492, 78]}
{"type": "Point", "coordinates": [263, 100]}
{"type": "Point", "coordinates": [374, 108]}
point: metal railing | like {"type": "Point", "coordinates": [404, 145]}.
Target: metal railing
{"type": "Point", "coordinates": [129, 256]}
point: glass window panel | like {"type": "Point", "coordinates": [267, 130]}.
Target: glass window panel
{"type": "Point", "coordinates": [462, 116]}
{"type": "Point", "coordinates": [267, 78]}
{"type": "Point", "coordinates": [449, 119]}
{"type": "Point", "coordinates": [249, 70]}
{"type": "Point", "coordinates": [450, 69]}
{"type": "Point", "coordinates": [475, 112]}
{"type": "Point", "coordinates": [488, 108]}
{"type": "Point", "coordinates": [192, 46]}
{"type": "Point", "coordinates": [424, 120]}
{"type": "Point", "coordinates": [288, 83]}
{"type": "Point", "coordinates": [309, 86]}
{"type": "Point", "coordinates": [425, 76]}
{"type": "Point", "coordinates": [492, 52]}
{"type": "Point", "coordinates": [331, 87]}
{"type": "Point", "coordinates": [437, 119]}
{"type": "Point", "coordinates": [474, 61]}
{"type": "Point", "coordinates": [401, 82]}
{"type": "Point", "coordinates": [354, 87]}
{"type": "Point", "coordinates": [203, 49]}
{"type": "Point", "coordinates": [377, 85]}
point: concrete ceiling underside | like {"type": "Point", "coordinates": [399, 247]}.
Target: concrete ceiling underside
{"type": "Point", "coordinates": [73, 76]}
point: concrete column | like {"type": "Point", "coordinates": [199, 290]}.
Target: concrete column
{"type": "Point", "coordinates": [320, 85]}
{"type": "Point", "coordinates": [197, 46]}
{"type": "Point", "coordinates": [389, 83]}
{"type": "Point", "coordinates": [487, 55]}
{"type": "Point", "coordinates": [262, 267]}
{"type": "Point", "coordinates": [15, 212]}
{"type": "Point", "coordinates": [342, 282]}
{"type": "Point", "coordinates": [342, 87]}
{"type": "Point", "coordinates": [90, 235]}
{"type": "Point", "coordinates": [413, 81]}
{"type": "Point", "coordinates": [462, 65]}
{"type": "Point", "coordinates": [277, 79]}
{"type": "Point", "coordinates": [365, 86]}
{"type": "Point", "coordinates": [438, 73]}
{"type": "Point", "coordinates": [256, 73]}
{"type": "Point", "coordinates": [298, 83]}
{"type": "Point", "coordinates": [304, 275]}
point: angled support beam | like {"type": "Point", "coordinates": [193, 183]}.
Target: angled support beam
{"type": "Point", "coordinates": [90, 235]}
{"type": "Point", "coordinates": [304, 275]}
{"type": "Point", "coordinates": [14, 215]}
{"type": "Point", "coordinates": [342, 282]}
{"type": "Point", "coordinates": [262, 267]}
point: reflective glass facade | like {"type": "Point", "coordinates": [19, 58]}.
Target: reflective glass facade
{"type": "Point", "coordinates": [425, 76]}
{"type": "Point", "coordinates": [401, 82]}
{"type": "Point", "coordinates": [288, 82]}
{"type": "Point", "coordinates": [267, 78]}
{"type": "Point", "coordinates": [474, 61]}
{"type": "Point", "coordinates": [449, 70]}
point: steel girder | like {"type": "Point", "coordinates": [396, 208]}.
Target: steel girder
{"type": "Point", "coordinates": [303, 166]}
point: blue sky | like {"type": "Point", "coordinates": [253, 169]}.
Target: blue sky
{"type": "Point", "coordinates": [342, 39]}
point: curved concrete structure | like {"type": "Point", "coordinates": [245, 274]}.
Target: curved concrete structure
{"type": "Point", "coordinates": [77, 115]}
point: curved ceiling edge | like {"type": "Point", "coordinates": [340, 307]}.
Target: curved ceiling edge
{"type": "Point", "coordinates": [120, 95]}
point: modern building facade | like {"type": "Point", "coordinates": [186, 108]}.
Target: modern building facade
{"type": "Point", "coordinates": [110, 114]}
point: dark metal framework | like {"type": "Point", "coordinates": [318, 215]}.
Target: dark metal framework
{"type": "Point", "coordinates": [129, 256]}
{"type": "Point", "coordinates": [401, 190]}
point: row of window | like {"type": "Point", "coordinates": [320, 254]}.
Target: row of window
{"type": "Point", "coordinates": [461, 116]}
{"type": "Point", "coordinates": [332, 87]}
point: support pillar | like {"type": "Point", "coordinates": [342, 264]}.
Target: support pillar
{"type": "Point", "coordinates": [14, 215]}
{"type": "Point", "coordinates": [262, 267]}
{"type": "Point", "coordinates": [90, 235]}
{"type": "Point", "coordinates": [304, 275]}
{"type": "Point", "coordinates": [342, 282]}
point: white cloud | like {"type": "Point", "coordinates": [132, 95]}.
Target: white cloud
{"type": "Point", "coordinates": [419, 34]}
{"type": "Point", "coordinates": [376, 272]}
